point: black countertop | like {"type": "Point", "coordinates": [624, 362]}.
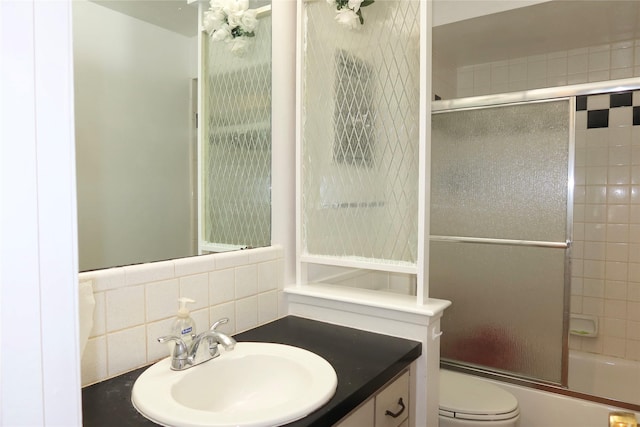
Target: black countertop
{"type": "Point", "coordinates": [363, 362]}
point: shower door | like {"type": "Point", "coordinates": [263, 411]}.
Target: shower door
{"type": "Point", "coordinates": [499, 236]}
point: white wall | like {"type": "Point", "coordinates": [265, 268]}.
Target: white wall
{"type": "Point", "coordinates": [448, 11]}
{"type": "Point", "coordinates": [39, 362]}
{"type": "Point", "coordinates": [132, 97]}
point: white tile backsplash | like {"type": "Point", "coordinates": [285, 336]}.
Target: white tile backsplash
{"type": "Point", "coordinates": [161, 299]}
{"type": "Point", "coordinates": [267, 306]}
{"type": "Point", "coordinates": [221, 311]}
{"type": "Point", "coordinates": [194, 265]}
{"type": "Point", "coordinates": [125, 307]}
{"type": "Point", "coordinates": [126, 348]}
{"type": "Point", "coordinates": [268, 275]}
{"type": "Point", "coordinates": [99, 315]}
{"type": "Point", "coordinates": [222, 286]}
{"type": "Point", "coordinates": [94, 360]}
{"type": "Point", "coordinates": [231, 259]}
{"type": "Point", "coordinates": [246, 281]}
{"type": "Point", "coordinates": [156, 350]}
{"type": "Point", "coordinates": [246, 313]}
{"type": "Point", "coordinates": [151, 272]}
{"type": "Point", "coordinates": [137, 304]}
{"type": "Point", "coordinates": [104, 280]}
{"type": "Point", "coordinates": [196, 287]}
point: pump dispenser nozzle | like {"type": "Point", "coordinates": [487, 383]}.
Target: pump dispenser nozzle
{"type": "Point", "coordinates": [183, 311]}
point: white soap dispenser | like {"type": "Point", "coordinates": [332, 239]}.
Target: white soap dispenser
{"type": "Point", "coordinates": [184, 326]}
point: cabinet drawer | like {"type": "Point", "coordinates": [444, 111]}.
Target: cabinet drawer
{"type": "Point", "coordinates": [361, 417]}
{"type": "Point", "coordinates": [388, 402]}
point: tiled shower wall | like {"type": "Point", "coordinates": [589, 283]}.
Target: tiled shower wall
{"type": "Point", "coordinates": [606, 251]}
{"type": "Point", "coordinates": [591, 64]}
{"type": "Point", "coordinates": [136, 304]}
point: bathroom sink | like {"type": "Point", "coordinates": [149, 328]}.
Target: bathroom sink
{"type": "Point", "coordinates": [255, 384]}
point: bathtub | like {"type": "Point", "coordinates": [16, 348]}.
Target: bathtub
{"type": "Point", "coordinates": [593, 374]}
{"type": "Point", "coordinates": [605, 376]}
{"type": "Point", "coordinates": [545, 409]}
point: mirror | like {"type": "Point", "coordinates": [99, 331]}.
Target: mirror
{"type": "Point", "coordinates": [136, 97]}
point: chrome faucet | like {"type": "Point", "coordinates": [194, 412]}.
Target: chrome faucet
{"type": "Point", "coordinates": [185, 356]}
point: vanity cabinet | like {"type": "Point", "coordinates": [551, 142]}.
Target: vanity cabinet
{"type": "Point", "coordinates": [380, 409]}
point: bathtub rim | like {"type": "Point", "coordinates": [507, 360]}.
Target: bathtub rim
{"type": "Point", "coordinates": [536, 385]}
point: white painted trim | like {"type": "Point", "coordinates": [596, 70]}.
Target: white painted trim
{"type": "Point", "coordinates": [370, 300]}
{"type": "Point", "coordinates": [301, 271]}
{"type": "Point", "coordinates": [283, 131]}
{"type": "Point", "coordinates": [200, 131]}
{"type": "Point", "coordinates": [368, 264]}
{"type": "Point", "coordinates": [420, 268]}
{"type": "Point", "coordinates": [424, 153]}
{"type": "Point", "coordinates": [40, 362]}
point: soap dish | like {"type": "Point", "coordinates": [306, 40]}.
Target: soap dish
{"type": "Point", "coordinates": [583, 325]}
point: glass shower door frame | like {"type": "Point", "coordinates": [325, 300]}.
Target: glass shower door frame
{"type": "Point", "coordinates": [514, 100]}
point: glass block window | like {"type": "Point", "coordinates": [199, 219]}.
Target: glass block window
{"type": "Point", "coordinates": [354, 113]}
{"type": "Point", "coordinates": [360, 134]}
{"type": "Point", "coordinates": [236, 148]}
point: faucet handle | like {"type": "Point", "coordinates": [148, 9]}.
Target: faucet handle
{"type": "Point", "coordinates": [180, 350]}
{"type": "Point", "coordinates": [222, 321]}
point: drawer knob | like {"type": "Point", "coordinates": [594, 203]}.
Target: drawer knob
{"type": "Point", "coordinates": [396, 414]}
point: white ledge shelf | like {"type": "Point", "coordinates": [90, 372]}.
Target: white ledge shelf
{"type": "Point", "coordinates": [370, 298]}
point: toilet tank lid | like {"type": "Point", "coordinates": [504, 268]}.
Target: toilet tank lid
{"type": "Point", "coordinates": [464, 394]}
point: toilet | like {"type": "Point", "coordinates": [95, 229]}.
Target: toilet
{"type": "Point", "coordinates": [469, 402]}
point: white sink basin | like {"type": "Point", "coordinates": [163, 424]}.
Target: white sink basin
{"type": "Point", "coordinates": [256, 384]}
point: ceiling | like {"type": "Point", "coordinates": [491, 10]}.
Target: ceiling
{"type": "Point", "coordinates": [172, 15]}
{"type": "Point", "coordinates": [551, 26]}
{"type": "Point", "coordinates": [515, 33]}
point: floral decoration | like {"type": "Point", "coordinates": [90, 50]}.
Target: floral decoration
{"type": "Point", "coordinates": [232, 22]}
{"type": "Point", "coordinates": [349, 12]}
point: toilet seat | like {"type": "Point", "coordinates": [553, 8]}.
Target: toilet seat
{"type": "Point", "coordinates": [467, 398]}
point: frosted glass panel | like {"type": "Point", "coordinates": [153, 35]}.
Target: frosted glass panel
{"type": "Point", "coordinates": [507, 311]}
{"type": "Point", "coordinates": [501, 172]}
{"type": "Point", "coordinates": [237, 144]}
{"type": "Point", "coordinates": [360, 133]}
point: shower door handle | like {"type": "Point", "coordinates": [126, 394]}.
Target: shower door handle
{"type": "Point", "coordinates": [509, 242]}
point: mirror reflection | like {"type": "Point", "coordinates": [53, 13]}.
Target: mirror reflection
{"type": "Point", "coordinates": [236, 143]}
{"type": "Point", "coordinates": [136, 100]}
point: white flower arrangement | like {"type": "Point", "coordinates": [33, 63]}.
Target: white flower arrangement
{"type": "Point", "coordinates": [232, 22]}
{"type": "Point", "coordinates": [349, 12]}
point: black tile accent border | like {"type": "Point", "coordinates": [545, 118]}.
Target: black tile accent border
{"type": "Point", "coordinates": [636, 116]}
{"type": "Point", "coordinates": [600, 118]}
{"type": "Point", "coordinates": [620, 99]}
{"type": "Point", "coordinates": [581, 103]}
{"type": "Point", "coordinates": [597, 119]}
